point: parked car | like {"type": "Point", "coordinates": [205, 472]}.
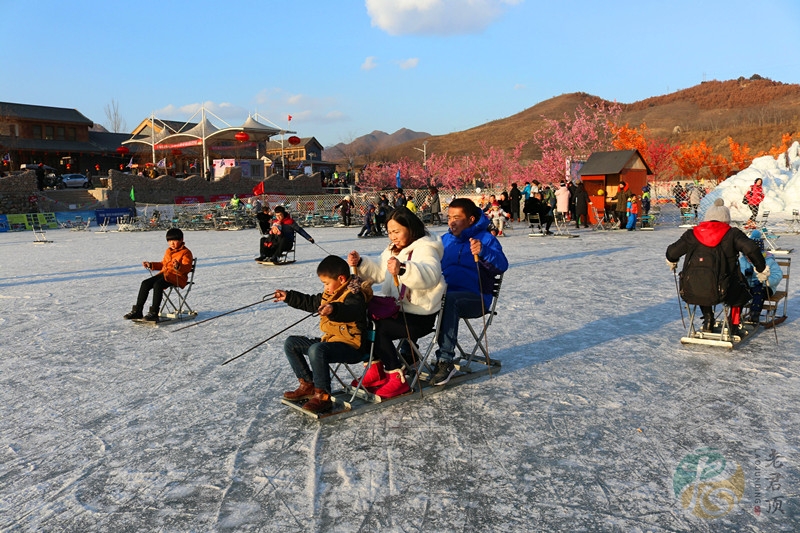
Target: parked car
{"type": "Point", "coordinates": [74, 180]}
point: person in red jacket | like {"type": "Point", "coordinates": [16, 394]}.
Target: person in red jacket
{"type": "Point", "coordinates": [173, 270]}
{"type": "Point", "coordinates": [754, 197]}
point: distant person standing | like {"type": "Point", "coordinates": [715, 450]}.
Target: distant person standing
{"type": "Point", "coordinates": [435, 205]}
{"type": "Point", "coordinates": [646, 199]}
{"type": "Point", "coordinates": [40, 176]}
{"type": "Point", "coordinates": [678, 192]}
{"type": "Point", "coordinates": [754, 197]}
{"type": "Point", "coordinates": [515, 196]}
{"type": "Point", "coordinates": [621, 207]}
{"type": "Point", "coordinates": [346, 208]}
{"type": "Point", "coordinates": [581, 205]}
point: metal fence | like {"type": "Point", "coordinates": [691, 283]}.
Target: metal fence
{"type": "Point", "coordinates": [308, 210]}
{"type": "Point", "coordinates": [319, 210]}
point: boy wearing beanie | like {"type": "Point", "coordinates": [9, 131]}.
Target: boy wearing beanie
{"type": "Point", "coordinates": [173, 269]}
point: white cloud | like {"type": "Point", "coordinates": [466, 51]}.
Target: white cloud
{"type": "Point", "coordinates": [519, 86]}
{"type": "Point", "coordinates": [224, 110]}
{"type": "Point", "coordinates": [369, 63]}
{"type": "Point", "coordinates": [435, 17]}
{"type": "Point", "coordinates": [411, 62]}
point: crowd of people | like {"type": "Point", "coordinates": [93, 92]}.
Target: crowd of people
{"type": "Point", "coordinates": [451, 277]}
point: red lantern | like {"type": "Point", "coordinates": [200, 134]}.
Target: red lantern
{"type": "Point", "coordinates": [123, 150]}
{"type": "Point", "coordinates": [241, 136]}
{"type": "Point", "coordinates": [294, 140]}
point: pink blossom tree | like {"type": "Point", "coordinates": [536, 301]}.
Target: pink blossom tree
{"type": "Point", "coordinates": [573, 137]}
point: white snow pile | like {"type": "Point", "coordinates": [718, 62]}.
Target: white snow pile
{"type": "Point", "coordinates": [781, 182]}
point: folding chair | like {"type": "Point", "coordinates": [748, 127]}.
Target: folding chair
{"type": "Point", "coordinates": [794, 224]}
{"type": "Point", "coordinates": [780, 296]}
{"type": "Point", "coordinates": [169, 308]}
{"type": "Point", "coordinates": [688, 220]}
{"type": "Point", "coordinates": [287, 256]}
{"type": "Point", "coordinates": [39, 234]}
{"type": "Point", "coordinates": [535, 218]}
{"type": "Point", "coordinates": [562, 226]}
{"type": "Point", "coordinates": [346, 383]}
{"type": "Point", "coordinates": [470, 357]}
{"type": "Point", "coordinates": [600, 222]}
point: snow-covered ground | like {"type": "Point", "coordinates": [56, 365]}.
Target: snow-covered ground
{"type": "Point", "coordinates": [107, 425]}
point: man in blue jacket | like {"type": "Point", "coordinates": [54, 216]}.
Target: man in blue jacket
{"type": "Point", "coordinates": [469, 251]}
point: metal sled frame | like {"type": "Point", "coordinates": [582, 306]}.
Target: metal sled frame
{"type": "Point", "coordinates": [531, 219]}
{"type": "Point", "coordinates": [780, 298]}
{"type": "Point", "coordinates": [39, 234]}
{"type": "Point", "coordinates": [721, 336]}
{"type": "Point", "coordinates": [180, 311]}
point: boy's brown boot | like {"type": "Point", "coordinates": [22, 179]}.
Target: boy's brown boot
{"type": "Point", "coordinates": [320, 403]}
{"type": "Point", "coordinates": [303, 392]}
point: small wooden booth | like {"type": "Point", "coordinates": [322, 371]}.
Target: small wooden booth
{"type": "Point", "coordinates": [603, 171]}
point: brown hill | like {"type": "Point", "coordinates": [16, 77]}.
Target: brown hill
{"type": "Point", "coordinates": [372, 143]}
{"type": "Point", "coordinates": [756, 111]}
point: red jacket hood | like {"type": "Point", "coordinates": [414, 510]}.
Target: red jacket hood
{"type": "Point", "coordinates": [710, 233]}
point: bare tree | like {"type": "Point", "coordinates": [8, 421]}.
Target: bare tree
{"type": "Point", "coordinates": [115, 122]}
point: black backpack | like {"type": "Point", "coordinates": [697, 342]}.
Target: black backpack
{"type": "Point", "coordinates": [704, 279]}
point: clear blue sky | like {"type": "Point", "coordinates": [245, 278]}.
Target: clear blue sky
{"type": "Point", "coordinates": [343, 68]}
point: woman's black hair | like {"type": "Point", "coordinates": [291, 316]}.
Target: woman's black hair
{"type": "Point", "coordinates": [407, 219]}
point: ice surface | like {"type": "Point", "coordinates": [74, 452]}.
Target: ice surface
{"type": "Point", "coordinates": [107, 425]}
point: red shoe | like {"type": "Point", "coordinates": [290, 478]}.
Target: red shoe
{"type": "Point", "coordinates": [395, 386]}
{"type": "Point", "coordinates": [373, 377]}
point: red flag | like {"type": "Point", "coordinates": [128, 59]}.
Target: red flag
{"type": "Point", "coordinates": [290, 118]}
{"type": "Point", "coordinates": [258, 189]}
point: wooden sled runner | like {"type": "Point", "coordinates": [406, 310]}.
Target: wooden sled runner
{"type": "Point", "coordinates": [345, 406]}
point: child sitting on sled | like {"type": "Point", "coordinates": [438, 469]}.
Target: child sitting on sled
{"type": "Point", "coordinates": [343, 320]}
{"type": "Point", "coordinates": [173, 269]}
{"type": "Point", "coordinates": [370, 226]}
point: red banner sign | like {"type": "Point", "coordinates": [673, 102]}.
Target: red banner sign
{"type": "Point", "coordinates": [237, 147]}
{"type": "Point", "coordinates": [184, 144]}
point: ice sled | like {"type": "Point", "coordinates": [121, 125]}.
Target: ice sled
{"type": "Point", "coordinates": [351, 398]}
{"type": "Point", "coordinates": [773, 313]}
{"type": "Point", "coordinates": [174, 306]}
{"type": "Point", "coordinates": [722, 334]}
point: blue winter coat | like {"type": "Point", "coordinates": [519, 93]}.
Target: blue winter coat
{"type": "Point", "coordinates": [458, 265]}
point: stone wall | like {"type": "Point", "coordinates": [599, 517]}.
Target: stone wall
{"type": "Point", "coordinates": [16, 192]}
{"type": "Point", "coordinates": [164, 189]}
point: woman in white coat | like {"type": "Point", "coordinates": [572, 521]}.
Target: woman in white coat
{"type": "Point", "coordinates": [415, 258]}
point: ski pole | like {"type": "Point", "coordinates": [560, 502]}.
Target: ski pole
{"type": "Point", "coordinates": [483, 314]}
{"type": "Point", "coordinates": [408, 332]}
{"type": "Point", "coordinates": [269, 338]}
{"type": "Point", "coordinates": [678, 292]}
{"type": "Point", "coordinates": [774, 329]}
{"type": "Point", "coordinates": [321, 248]}
{"type": "Point", "coordinates": [225, 313]}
